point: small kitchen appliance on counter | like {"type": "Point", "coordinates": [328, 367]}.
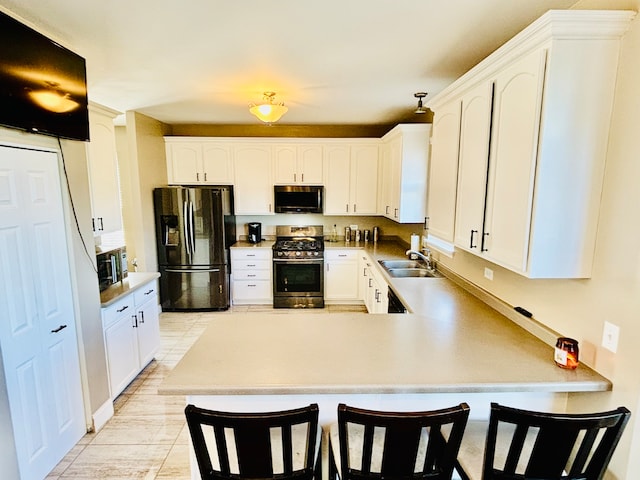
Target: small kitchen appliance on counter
{"type": "Point", "coordinates": [255, 232]}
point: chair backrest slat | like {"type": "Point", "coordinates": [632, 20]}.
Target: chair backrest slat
{"type": "Point", "coordinates": [566, 446]}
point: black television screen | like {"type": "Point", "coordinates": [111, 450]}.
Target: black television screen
{"type": "Point", "coordinates": [43, 86]}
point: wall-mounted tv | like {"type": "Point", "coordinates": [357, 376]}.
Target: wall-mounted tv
{"type": "Point", "coordinates": [43, 86]}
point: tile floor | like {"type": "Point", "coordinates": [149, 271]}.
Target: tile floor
{"type": "Point", "coordinates": [147, 438]}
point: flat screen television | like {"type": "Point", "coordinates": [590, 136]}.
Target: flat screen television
{"type": "Point", "coordinates": [43, 86]}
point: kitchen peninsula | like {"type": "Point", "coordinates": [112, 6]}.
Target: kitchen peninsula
{"type": "Point", "coordinates": [453, 348]}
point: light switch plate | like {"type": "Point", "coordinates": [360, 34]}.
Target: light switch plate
{"type": "Point", "coordinates": [488, 273]}
{"type": "Point", "coordinates": [610, 336]}
{"type": "Point", "coordinates": [353, 227]}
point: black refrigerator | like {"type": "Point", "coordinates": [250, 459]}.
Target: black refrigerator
{"type": "Point", "coordinates": [195, 226]}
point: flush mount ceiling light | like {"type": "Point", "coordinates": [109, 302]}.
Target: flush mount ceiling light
{"type": "Point", "coordinates": [270, 111]}
{"type": "Point", "coordinates": [420, 96]}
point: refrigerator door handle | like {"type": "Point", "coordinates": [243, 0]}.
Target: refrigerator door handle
{"type": "Point", "coordinates": [187, 244]}
{"type": "Point", "coordinates": [192, 270]}
{"type": "Point", "coordinates": [192, 233]}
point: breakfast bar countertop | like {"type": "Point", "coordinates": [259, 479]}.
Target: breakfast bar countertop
{"type": "Point", "coordinates": [458, 345]}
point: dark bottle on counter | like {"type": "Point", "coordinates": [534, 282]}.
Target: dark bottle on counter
{"type": "Point", "coordinates": [566, 353]}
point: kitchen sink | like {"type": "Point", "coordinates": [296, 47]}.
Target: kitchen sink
{"type": "Point", "coordinates": [413, 272]}
{"type": "Point", "coordinates": [409, 268]}
{"type": "Point", "coordinates": [388, 264]}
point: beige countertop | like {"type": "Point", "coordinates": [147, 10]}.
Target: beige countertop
{"type": "Point", "coordinates": [130, 284]}
{"type": "Point", "coordinates": [464, 350]}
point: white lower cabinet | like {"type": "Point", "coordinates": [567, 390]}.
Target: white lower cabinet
{"type": "Point", "coordinates": [131, 335]}
{"type": "Point", "coordinates": [372, 286]}
{"type": "Point", "coordinates": [251, 273]}
{"type": "Point", "coordinates": [341, 275]}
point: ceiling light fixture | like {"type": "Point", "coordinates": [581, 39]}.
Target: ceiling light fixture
{"type": "Point", "coordinates": [420, 96]}
{"type": "Point", "coordinates": [269, 112]}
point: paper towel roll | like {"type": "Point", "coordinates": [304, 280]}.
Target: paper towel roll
{"type": "Point", "coordinates": [415, 242]}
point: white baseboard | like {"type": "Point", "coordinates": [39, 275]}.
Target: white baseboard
{"type": "Point", "coordinates": [102, 415]}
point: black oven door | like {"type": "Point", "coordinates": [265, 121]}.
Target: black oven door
{"type": "Point", "coordinates": [298, 283]}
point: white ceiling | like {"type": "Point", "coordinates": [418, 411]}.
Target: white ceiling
{"type": "Point", "coordinates": [331, 61]}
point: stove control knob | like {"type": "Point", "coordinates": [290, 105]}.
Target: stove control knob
{"type": "Point", "coordinates": [316, 253]}
{"type": "Point", "coordinates": [280, 254]}
{"type": "Point", "coordinates": [298, 254]}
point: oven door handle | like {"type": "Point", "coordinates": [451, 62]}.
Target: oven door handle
{"type": "Point", "coordinates": [312, 261]}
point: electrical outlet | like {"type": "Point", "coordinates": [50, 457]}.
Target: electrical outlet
{"type": "Point", "coordinates": [488, 273]}
{"type": "Point", "coordinates": [610, 336]}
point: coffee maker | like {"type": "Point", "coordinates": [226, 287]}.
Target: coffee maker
{"type": "Point", "coordinates": [255, 232]}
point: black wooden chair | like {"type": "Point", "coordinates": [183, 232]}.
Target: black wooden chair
{"type": "Point", "coordinates": [273, 445]}
{"type": "Point", "coordinates": [523, 444]}
{"type": "Point", "coordinates": [377, 445]}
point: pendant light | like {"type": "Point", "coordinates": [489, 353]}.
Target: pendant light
{"type": "Point", "coordinates": [269, 111]}
{"type": "Point", "coordinates": [420, 96]}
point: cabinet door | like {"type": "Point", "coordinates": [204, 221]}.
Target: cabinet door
{"type": "Point", "coordinates": [103, 173]}
{"type": "Point", "coordinates": [364, 179]}
{"type": "Point", "coordinates": [122, 353]}
{"type": "Point", "coordinates": [310, 168]}
{"type": "Point", "coordinates": [392, 178]}
{"type": "Point", "coordinates": [285, 163]}
{"type": "Point", "coordinates": [253, 186]}
{"type": "Point", "coordinates": [337, 180]}
{"type": "Point", "coordinates": [443, 171]}
{"type": "Point", "coordinates": [184, 163]}
{"type": "Point", "coordinates": [473, 161]}
{"type": "Point", "coordinates": [516, 119]}
{"type": "Point", "coordinates": [216, 164]}
{"type": "Point", "coordinates": [341, 275]}
{"type": "Point", "coordinates": [148, 330]}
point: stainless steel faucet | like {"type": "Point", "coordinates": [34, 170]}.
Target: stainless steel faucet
{"type": "Point", "coordinates": [426, 256]}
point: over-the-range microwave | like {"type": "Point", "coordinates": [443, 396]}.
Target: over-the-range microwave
{"type": "Point", "coordinates": [298, 198]}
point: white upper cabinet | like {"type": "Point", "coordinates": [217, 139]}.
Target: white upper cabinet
{"type": "Point", "coordinates": [404, 167]}
{"type": "Point", "coordinates": [530, 175]}
{"type": "Point", "coordinates": [472, 166]}
{"type": "Point", "coordinates": [192, 162]}
{"type": "Point", "coordinates": [298, 164]}
{"type": "Point", "coordinates": [253, 186]}
{"type": "Point", "coordinates": [351, 178]}
{"type": "Point", "coordinates": [443, 172]}
{"type": "Point", "coordinates": [103, 171]}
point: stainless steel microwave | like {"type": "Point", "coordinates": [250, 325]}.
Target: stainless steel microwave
{"type": "Point", "coordinates": [298, 198]}
{"type": "Point", "coordinates": [112, 267]}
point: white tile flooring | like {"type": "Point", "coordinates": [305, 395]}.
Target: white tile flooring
{"type": "Point", "coordinates": [147, 438]}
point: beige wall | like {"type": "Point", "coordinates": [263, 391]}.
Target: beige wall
{"type": "Point", "coordinates": [578, 308]}
{"type": "Point", "coordinates": [142, 160]}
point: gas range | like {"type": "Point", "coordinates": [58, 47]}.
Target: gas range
{"type": "Point", "coordinates": [298, 267]}
{"type": "Point", "coordinates": [299, 242]}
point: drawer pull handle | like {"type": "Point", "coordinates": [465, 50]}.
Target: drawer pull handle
{"type": "Point", "coordinates": [251, 285]}
{"type": "Point", "coordinates": [148, 292]}
{"type": "Point", "coordinates": [56, 330]}
{"type": "Point", "coordinates": [122, 309]}
{"type": "Point", "coordinates": [251, 276]}
{"type": "Point", "coordinates": [250, 265]}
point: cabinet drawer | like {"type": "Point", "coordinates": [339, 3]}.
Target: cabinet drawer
{"type": "Point", "coordinates": [251, 253]}
{"type": "Point", "coordinates": [251, 265]}
{"type": "Point", "coordinates": [341, 254]}
{"type": "Point", "coordinates": [251, 290]}
{"type": "Point", "coordinates": [144, 293]}
{"type": "Point", "coordinates": [124, 306]}
{"type": "Point", "coordinates": [252, 274]}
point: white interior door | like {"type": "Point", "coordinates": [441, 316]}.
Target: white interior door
{"type": "Point", "coordinates": [37, 332]}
